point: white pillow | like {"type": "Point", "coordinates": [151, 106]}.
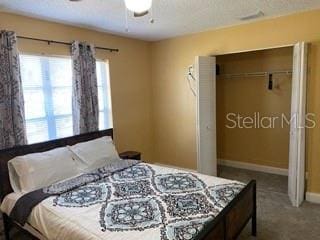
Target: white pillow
{"type": "Point", "coordinates": [95, 154]}
{"type": "Point", "coordinates": [37, 170]}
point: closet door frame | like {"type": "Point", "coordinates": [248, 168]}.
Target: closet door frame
{"type": "Point", "coordinates": [297, 158]}
{"type": "Point", "coordinates": [205, 73]}
{"type": "Point", "coordinates": [296, 171]}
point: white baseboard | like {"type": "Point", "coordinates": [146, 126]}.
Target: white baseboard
{"type": "Point", "coordinates": [313, 197]}
{"type": "Point", "coordinates": [237, 164]}
{"type": "Point", "coordinates": [253, 167]}
{"type": "Point", "coordinates": [172, 166]}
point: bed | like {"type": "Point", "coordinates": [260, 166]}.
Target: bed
{"type": "Point", "coordinates": [140, 201]}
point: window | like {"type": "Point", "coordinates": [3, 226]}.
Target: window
{"type": "Point", "coordinates": [104, 95]}
{"type": "Point", "coordinates": [47, 88]}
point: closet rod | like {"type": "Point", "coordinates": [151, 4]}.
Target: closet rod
{"type": "Point", "coordinates": [255, 74]}
{"type": "Point", "coordinates": [64, 43]}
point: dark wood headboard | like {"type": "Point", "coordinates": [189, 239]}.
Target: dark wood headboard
{"type": "Point", "coordinates": [8, 154]}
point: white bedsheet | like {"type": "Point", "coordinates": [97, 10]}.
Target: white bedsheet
{"type": "Point", "coordinates": [83, 223]}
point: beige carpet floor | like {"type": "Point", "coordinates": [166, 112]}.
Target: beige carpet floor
{"type": "Point", "coordinates": [277, 219]}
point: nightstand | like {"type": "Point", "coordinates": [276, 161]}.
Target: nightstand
{"type": "Point", "coordinates": [130, 155]}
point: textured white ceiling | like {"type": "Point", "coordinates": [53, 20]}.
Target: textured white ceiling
{"type": "Point", "coordinates": [172, 17]}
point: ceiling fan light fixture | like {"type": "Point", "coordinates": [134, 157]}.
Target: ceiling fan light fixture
{"type": "Point", "coordinates": [138, 6]}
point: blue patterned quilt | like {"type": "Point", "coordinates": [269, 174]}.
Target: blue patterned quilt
{"type": "Point", "coordinates": [162, 203]}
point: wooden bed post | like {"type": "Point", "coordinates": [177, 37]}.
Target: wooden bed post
{"type": "Point", "coordinates": [254, 211]}
{"type": "Point", "coordinates": [6, 225]}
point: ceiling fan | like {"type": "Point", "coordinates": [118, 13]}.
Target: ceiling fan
{"type": "Point", "coordinates": [139, 8]}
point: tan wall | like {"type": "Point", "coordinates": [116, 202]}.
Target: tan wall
{"type": "Point", "coordinates": [248, 96]}
{"type": "Point", "coordinates": [174, 105]}
{"type": "Point", "coordinates": [129, 70]}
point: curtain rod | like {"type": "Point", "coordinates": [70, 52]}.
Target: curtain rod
{"type": "Point", "coordinates": [64, 43]}
{"type": "Point", "coordinates": [253, 74]}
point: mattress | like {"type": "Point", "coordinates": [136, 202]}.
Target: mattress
{"type": "Point", "coordinates": [143, 202]}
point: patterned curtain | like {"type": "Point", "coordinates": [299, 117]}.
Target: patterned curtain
{"type": "Point", "coordinates": [85, 107]}
{"type": "Point", "coordinates": [12, 119]}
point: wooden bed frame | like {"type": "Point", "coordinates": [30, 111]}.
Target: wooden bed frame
{"type": "Point", "coordinates": [226, 226]}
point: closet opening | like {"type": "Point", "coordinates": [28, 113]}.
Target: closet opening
{"type": "Point", "coordinates": [253, 113]}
